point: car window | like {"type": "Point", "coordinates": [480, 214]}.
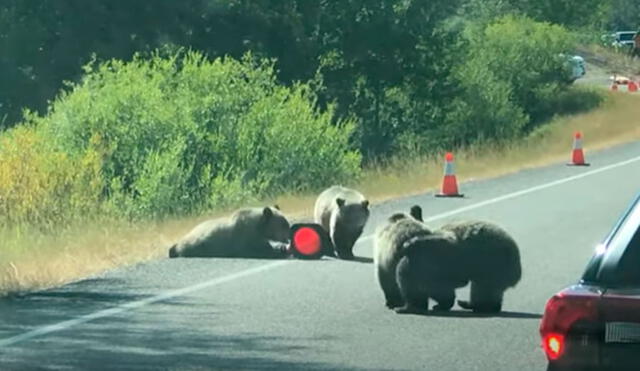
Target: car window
{"type": "Point", "coordinates": [626, 37]}
{"type": "Point", "coordinates": [628, 270]}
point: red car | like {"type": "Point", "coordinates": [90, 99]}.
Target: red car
{"type": "Point", "coordinates": [595, 324]}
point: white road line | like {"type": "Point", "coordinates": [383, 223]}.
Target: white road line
{"type": "Point", "coordinates": [523, 192]}
{"type": "Point", "coordinates": [248, 272]}
{"type": "Point", "coordinates": [137, 304]}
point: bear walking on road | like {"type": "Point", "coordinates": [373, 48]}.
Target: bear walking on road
{"type": "Point", "coordinates": [248, 233]}
{"type": "Point", "coordinates": [492, 263]}
{"type": "Point", "coordinates": [424, 272]}
{"type": "Point", "coordinates": [388, 243]}
{"type": "Point", "coordinates": [414, 263]}
{"type": "Point", "coordinates": [343, 213]}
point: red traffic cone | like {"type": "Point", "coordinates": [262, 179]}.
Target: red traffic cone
{"type": "Point", "coordinates": [449, 183]}
{"type": "Point", "coordinates": [632, 87]}
{"type": "Point", "coordinates": [577, 157]}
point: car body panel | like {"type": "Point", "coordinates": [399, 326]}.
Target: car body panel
{"type": "Point", "coordinates": [612, 280]}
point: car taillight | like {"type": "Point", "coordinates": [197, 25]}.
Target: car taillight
{"type": "Point", "coordinates": [563, 310]}
{"type": "Point", "coordinates": [553, 345]}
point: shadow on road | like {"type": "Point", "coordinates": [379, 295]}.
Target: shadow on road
{"type": "Point", "coordinates": [362, 259]}
{"type": "Point", "coordinates": [177, 335]}
{"type": "Point", "coordinates": [134, 347]}
{"type": "Point", "coordinates": [470, 314]}
{"type": "Point", "coordinates": [356, 259]}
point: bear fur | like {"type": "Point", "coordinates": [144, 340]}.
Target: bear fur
{"type": "Point", "coordinates": [491, 262]}
{"type": "Point", "coordinates": [248, 233]}
{"type": "Point", "coordinates": [389, 240]}
{"type": "Point", "coordinates": [413, 264]}
{"type": "Point", "coordinates": [343, 213]}
{"type": "Point", "coordinates": [424, 272]}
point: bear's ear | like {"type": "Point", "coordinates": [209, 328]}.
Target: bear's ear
{"type": "Point", "coordinates": [365, 204]}
{"type": "Point", "coordinates": [267, 213]}
{"type": "Point", "coordinates": [276, 207]}
{"type": "Point", "coordinates": [416, 212]}
{"type": "Point", "coordinates": [340, 201]}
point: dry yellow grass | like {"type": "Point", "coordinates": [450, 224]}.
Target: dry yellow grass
{"type": "Point", "coordinates": [31, 260]}
{"type": "Point", "coordinates": [615, 122]}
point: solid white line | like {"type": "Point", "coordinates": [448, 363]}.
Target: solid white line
{"type": "Point", "coordinates": [523, 192]}
{"type": "Point", "coordinates": [137, 304]}
{"type": "Point", "coordinates": [248, 272]}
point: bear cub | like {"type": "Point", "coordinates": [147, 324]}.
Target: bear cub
{"type": "Point", "coordinates": [413, 264]}
{"type": "Point", "coordinates": [343, 213]}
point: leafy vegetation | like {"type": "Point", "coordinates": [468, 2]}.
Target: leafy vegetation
{"type": "Point", "coordinates": [171, 135]}
{"type": "Point", "coordinates": [161, 112]}
{"type": "Point", "coordinates": [144, 110]}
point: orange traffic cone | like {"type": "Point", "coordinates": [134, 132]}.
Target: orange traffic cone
{"type": "Point", "coordinates": [577, 157]}
{"type": "Point", "coordinates": [632, 87]}
{"type": "Point", "coordinates": [449, 183]}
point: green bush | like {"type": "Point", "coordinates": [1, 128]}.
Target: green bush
{"type": "Point", "coordinates": [511, 73]}
{"type": "Point", "coordinates": [182, 133]}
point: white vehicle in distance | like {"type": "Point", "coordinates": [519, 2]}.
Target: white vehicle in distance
{"type": "Point", "coordinates": [623, 39]}
{"type": "Point", "coordinates": [575, 67]}
{"type": "Point", "coordinates": [578, 68]}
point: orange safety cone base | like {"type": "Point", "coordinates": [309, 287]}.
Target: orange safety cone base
{"type": "Point", "coordinates": [582, 164]}
{"type": "Point", "coordinates": [459, 195]}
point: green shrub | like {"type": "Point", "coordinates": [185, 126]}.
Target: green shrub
{"type": "Point", "coordinates": [182, 133]}
{"type": "Point", "coordinates": [510, 76]}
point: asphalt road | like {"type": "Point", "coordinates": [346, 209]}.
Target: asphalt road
{"type": "Point", "coordinates": [328, 314]}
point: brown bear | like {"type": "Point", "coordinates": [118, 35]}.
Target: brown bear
{"type": "Point", "coordinates": [413, 264]}
{"type": "Point", "coordinates": [424, 272]}
{"type": "Point", "coordinates": [343, 213]}
{"type": "Point", "coordinates": [248, 233]}
{"type": "Point", "coordinates": [492, 263]}
{"type": "Point", "coordinates": [389, 240]}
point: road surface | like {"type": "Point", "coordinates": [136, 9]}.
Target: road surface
{"type": "Point", "coordinates": [197, 314]}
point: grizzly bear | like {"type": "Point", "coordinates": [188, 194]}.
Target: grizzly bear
{"type": "Point", "coordinates": [413, 264]}
{"type": "Point", "coordinates": [491, 262]}
{"type": "Point", "coordinates": [424, 271]}
{"type": "Point", "coordinates": [389, 240]}
{"type": "Point", "coordinates": [343, 213]}
{"type": "Point", "coordinates": [248, 233]}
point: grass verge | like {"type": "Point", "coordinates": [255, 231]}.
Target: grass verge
{"type": "Point", "coordinates": [611, 61]}
{"type": "Point", "coordinates": [32, 260]}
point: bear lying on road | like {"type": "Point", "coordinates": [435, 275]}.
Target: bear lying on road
{"type": "Point", "coordinates": [343, 213]}
{"type": "Point", "coordinates": [248, 233]}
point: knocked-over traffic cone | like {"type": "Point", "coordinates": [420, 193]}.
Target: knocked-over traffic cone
{"type": "Point", "coordinates": [577, 157]}
{"type": "Point", "coordinates": [449, 183]}
{"type": "Point", "coordinates": [633, 86]}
